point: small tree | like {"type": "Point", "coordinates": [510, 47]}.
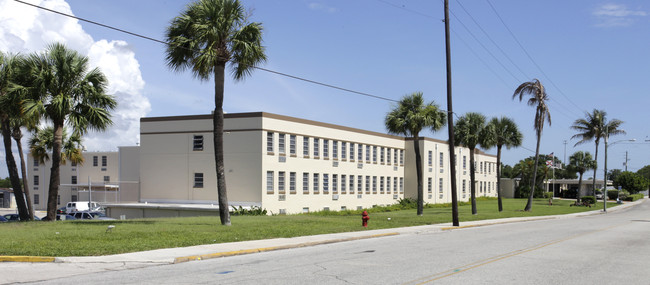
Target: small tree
{"type": "Point", "coordinates": [470, 131]}
{"type": "Point", "coordinates": [631, 182]}
{"type": "Point", "coordinates": [581, 162]}
{"type": "Point", "coordinates": [501, 132]}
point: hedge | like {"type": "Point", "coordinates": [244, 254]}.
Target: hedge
{"type": "Point", "coordinates": [634, 197]}
{"type": "Point", "coordinates": [588, 199]}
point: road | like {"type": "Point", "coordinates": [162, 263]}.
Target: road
{"type": "Point", "coordinates": [608, 248]}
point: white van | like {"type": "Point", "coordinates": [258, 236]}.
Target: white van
{"type": "Point", "coordinates": [81, 206]}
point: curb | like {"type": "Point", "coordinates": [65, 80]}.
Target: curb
{"type": "Point", "coordinates": [264, 249]}
{"type": "Point", "coordinates": [26, 259]}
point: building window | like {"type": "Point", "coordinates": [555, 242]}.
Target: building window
{"type": "Point", "coordinates": [326, 183]}
{"type": "Point", "coordinates": [367, 184]}
{"type": "Point", "coordinates": [429, 185]}
{"type": "Point", "coordinates": [360, 153]}
{"type": "Point", "coordinates": [305, 210]}
{"type": "Point", "coordinates": [464, 187]}
{"type": "Point", "coordinates": [35, 163]}
{"type": "Point", "coordinates": [401, 185]}
{"type": "Point", "coordinates": [305, 146]}
{"type": "Point", "coordinates": [335, 183]}
{"type": "Point", "coordinates": [197, 142]}
{"type": "Point", "coordinates": [292, 144]}
{"type": "Point", "coordinates": [36, 199]}
{"type": "Point", "coordinates": [374, 154]}
{"type": "Point", "coordinates": [351, 184]}
{"type": "Point", "coordinates": [104, 161]}
{"type": "Point", "coordinates": [481, 166]}
{"type": "Point", "coordinates": [292, 183]}
{"type": "Point", "coordinates": [343, 150]}
{"type": "Point", "coordinates": [316, 190]}
{"type": "Point", "coordinates": [395, 156]}
{"type": "Point", "coordinates": [36, 180]}
{"type": "Point", "coordinates": [442, 159]}
{"type": "Point", "coordinates": [464, 162]}
{"type": "Point", "coordinates": [281, 182]}
{"type": "Point", "coordinates": [352, 151]}
{"type": "Point", "coordinates": [95, 160]}
{"type": "Point", "coordinates": [430, 158]}
{"type": "Point", "coordinates": [367, 153]}
{"type": "Point", "coordinates": [281, 148]}
{"type": "Point", "coordinates": [440, 190]}
{"type": "Point", "coordinates": [489, 187]}
{"type": "Point", "coordinates": [198, 180]}
{"type": "Point", "coordinates": [58, 199]}
{"type": "Point", "coordinates": [381, 185]}
{"type": "Point", "coordinates": [305, 183]}
{"type": "Point", "coordinates": [316, 150]}
{"type": "Point", "coordinates": [73, 163]}
{"type": "Point", "coordinates": [374, 185]}
{"type": "Point", "coordinates": [395, 185]}
{"type": "Point", "coordinates": [269, 182]}
{"type": "Point", "coordinates": [326, 150]}
{"type": "Point", "coordinates": [269, 142]}
{"type": "Point", "coordinates": [73, 198]}
{"type": "Point", "coordinates": [359, 183]}
{"type": "Point", "coordinates": [401, 157]}
{"type": "Point", "coordinates": [381, 155]}
{"type": "Point", "coordinates": [73, 179]}
{"type": "Point", "coordinates": [335, 149]}
{"type": "Point", "coordinates": [388, 185]}
{"type": "Point", "coordinates": [388, 155]}
{"type": "Point", "coordinates": [107, 178]}
{"type": "Point", "coordinates": [344, 183]}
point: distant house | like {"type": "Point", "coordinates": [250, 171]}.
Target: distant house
{"type": "Point", "coordinates": [7, 199]}
{"type": "Point", "coordinates": [557, 186]}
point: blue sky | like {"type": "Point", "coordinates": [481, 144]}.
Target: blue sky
{"type": "Point", "coordinates": [592, 55]}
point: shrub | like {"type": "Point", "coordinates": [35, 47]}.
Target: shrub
{"type": "Point", "coordinates": [548, 195]}
{"type": "Point", "coordinates": [588, 199]}
{"type": "Point", "coordinates": [613, 194]}
{"type": "Point", "coordinates": [253, 211]}
{"type": "Point", "coordinates": [634, 197]}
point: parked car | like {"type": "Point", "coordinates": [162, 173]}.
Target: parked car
{"type": "Point", "coordinates": [64, 217]}
{"type": "Point", "coordinates": [2, 219]}
{"type": "Point", "coordinates": [16, 218]}
{"type": "Point", "coordinates": [79, 206]}
{"type": "Point", "coordinates": [62, 210]}
{"type": "Point", "coordinates": [87, 215]}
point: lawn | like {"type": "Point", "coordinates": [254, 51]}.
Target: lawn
{"type": "Point", "coordinates": [88, 238]}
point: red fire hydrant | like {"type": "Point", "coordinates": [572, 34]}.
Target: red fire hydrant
{"type": "Point", "coordinates": [364, 219]}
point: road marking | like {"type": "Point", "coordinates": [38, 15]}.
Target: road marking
{"type": "Point", "coordinates": [459, 269]}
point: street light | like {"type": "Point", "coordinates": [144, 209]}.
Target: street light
{"type": "Point", "coordinates": [605, 176]}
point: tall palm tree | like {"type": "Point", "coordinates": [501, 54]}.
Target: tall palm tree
{"type": "Point", "coordinates": [538, 98]}
{"type": "Point", "coordinates": [501, 132]}
{"type": "Point", "coordinates": [593, 127]}
{"type": "Point", "coordinates": [408, 118]}
{"type": "Point", "coordinates": [581, 162]}
{"type": "Point", "coordinates": [66, 92]}
{"type": "Point", "coordinates": [206, 37]}
{"type": "Point", "coordinates": [470, 131]}
{"type": "Point", "coordinates": [10, 65]}
{"type": "Point", "coordinates": [42, 141]}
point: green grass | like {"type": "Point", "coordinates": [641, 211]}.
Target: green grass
{"type": "Point", "coordinates": [88, 238]}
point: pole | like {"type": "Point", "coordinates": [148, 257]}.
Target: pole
{"type": "Point", "coordinates": [90, 192]}
{"type": "Point", "coordinates": [605, 176]}
{"type": "Point", "coordinates": [626, 161]}
{"type": "Point", "coordinates": [450, 123]}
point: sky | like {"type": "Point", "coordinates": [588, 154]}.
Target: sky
{"type": "Point", "coordinates": [588, 54]}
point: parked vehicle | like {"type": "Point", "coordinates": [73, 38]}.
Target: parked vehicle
{"type": "Point", "coordinates": [16, 218]}
{"type": "Point", "coordinates": [87, 215]}
{"type": "Point", "coordinates": [79, 206]}
{"type": "Point", "coordinates": [62, 210]}
{"type": "Point", "coordinates": [3, 220]}
{"type": "Point", "coordinates": [64, 217]}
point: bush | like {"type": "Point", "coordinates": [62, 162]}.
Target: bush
{"type": "Point", "coordinates": [523, 191]}
{"type": "Point", "coordinates": [634, 197]}
{"type": "Point", "coordinates": [613, 194]}
{"type": "Point", "coordinates": [548, 195]}
{"type": "Point", "coordinates": [253, 211]}
{"type": "Point", "coordinates": [588, 199]}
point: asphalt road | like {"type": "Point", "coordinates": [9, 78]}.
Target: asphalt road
{"type": "Point", "coordinates": [608, 248]}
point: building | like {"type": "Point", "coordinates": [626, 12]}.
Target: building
{"type": "Point", "coordinates": [292, 165]}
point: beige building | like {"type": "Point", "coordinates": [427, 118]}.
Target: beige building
{"type": "Point", "coordinates": [291, 165]}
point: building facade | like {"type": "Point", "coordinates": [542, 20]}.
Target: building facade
{"type": "Point", "coordinates": [292, 165]}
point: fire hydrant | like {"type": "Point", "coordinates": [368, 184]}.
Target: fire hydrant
{"type": "Point", "coordinates": [364, 219]}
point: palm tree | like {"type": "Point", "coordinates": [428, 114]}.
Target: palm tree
{"type": "Point", "coordinates": [10, 65]}
{"type": "Point", "coordinates": [470, 131]}
{"type": "Point", "coordinates": [206, 37]}
{"type": "Point", "coordinates": [538, 98]}
{"type": "Point", "coordinates": [501, 132]}
{"type": "Point", "coordinates": [66, 93]}
{"type": "Point", "coordinates": [408, 118]}
{"type": "Point", "coordinates": [42, 141]}
{"type": "Point", "coordinates": [593, 127]}
{"type": "Point", "coordinates": [581, 162]}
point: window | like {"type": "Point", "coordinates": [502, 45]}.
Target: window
{"type": "Point", "coordinates": [36, 199]}
{"type": "Point", "coordinates": [107, 178]}
{"type": "Point", "coordinates": [489, 187]}
{"type": "Point", "coordinates": [281, 182]}
{"type": "Point", "coordinates": [315, 183]}
{"type": "Point", "coordinates": [316, 150]}
{"type": "Point", "coordinates": [73, 179]}
{"type": "Point", "coordinates": [58, 199]}
{"type": "Point", "coordinates": [197, 142]}
{"type": "Point", "coordinates": [35, 163]}
{"type": "Point", "coordinates": [198, 180]}
{"type": "Point", "coordinates": [335, 183]}
{"type": "Point", "coordinates": [344, 183]}
{"type": "Point", "coordinates": [481, 166]}
{"type": "Point", "coordinates": [442, 159]}
{"type": "Point", "coordinates": [326, 150]}
{"type": "Point", "coordinates": [359, 184]}
{"type": "Point", "coordinates": [292, 144]}
{"type": "Point", "coordinates": [401, 157]}
{"type": "Point", "coordinates": [95, 160]}
{"type": "Point", "coordinates": [381, 155]}
{"type": "Point", "coordinates": [104, 161]}
{"type": "Point", "coordinates": [351, 181]}
{"type": "Point", "coordinates": [326, 183]}
{"type": "Point", "coordinates": [36, 180]}
{"type": "Point", "coordinates": [305, 146]}
{"type": "Point", "coordinates": [352, 151]}
{"type": "Point", "coordinates": [395, 185]}
{"type": "Point", "coordinates": [464, 162]}
{"type": "Point", "coordinates": [401, 185]}
{"type": "Point", "coordinates": [388, 185]}
{"type": "Point", "coordinates": [360, 153]}
{"type": "Point", "coordinates": [367, 153]}
{"type": "Point", "coordinates": [367, 184]}
{"type": "Point", "coordinates": [374, 185]}
{"type": "Point", "coordinates": [388, 155]}
{"type": "Point", "coordinates": [343, 150]}
{"type": "Point", "coordinates": [464, 187]}
{"type": "Point", "coordinates": [281, 146]}
{"type": "Point", "coordinates": [305, 210]}
{"type": "Point", "coordinates": [305, 183]}
{"type": "Point", "coordinates": [269, 182]}
{"type": "Point", "coordinates": [73, 198]}
{"type": "Point", "coordinates": [73, 163]}
{"type": "Point", "coordinates": [269, 142]}
{"type": "Point", "coordinates": [440, 190]}
{"type": "Point", "coordinates": [430, 158]}
{"type": "Point", "coordinates": [429, 185]}
{"type": "Point", "coordinates": [395, 156]}
{"type": "Point", "coordinates": [381, 185]}
{"type": "Point", "coordinates": [374, 154]}
{"type": "Point", "coordinates": [335, 149]}
{"type": "Point", "coordinates": [292, 183]}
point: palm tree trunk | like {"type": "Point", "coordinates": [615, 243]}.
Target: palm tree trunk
{"type": "Point", "coordinates": [13, 172]}
{"type": "Point", "coordinates": [418, 170]}
{"type": "Point", "coordinates": [472, 181]}
{"type": "Point", "coordinates": [499, 178]}
{"type": "Point", "coordinates": [217, 122]}
{"type": "Point", "coordinates": [529, 204]}
{"type": "Point", "coordinates": [17, 135]}
{"type": "Point", "coordinates": [595, 168]}
{"type": "Point", "coordinates": [55, 179]}
{"type": "Point", "coordinates": [579, 187]}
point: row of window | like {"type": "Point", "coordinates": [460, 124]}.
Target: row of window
{"type": "Point", "coordinates": [73, 179]}
{"type": "Point", "coordinates": [95, 161]}
{"type": "Point", "coordinates": [483, 186]}
{"type": "Point", "coordinates": [315, 183]}
{"type": "Point", "coordinates": [483, 166]}
{"type": "Point", "coordinates": [334, 149]}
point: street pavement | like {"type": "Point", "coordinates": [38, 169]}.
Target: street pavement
{"type": "Point", "coordinates": [21, 269]}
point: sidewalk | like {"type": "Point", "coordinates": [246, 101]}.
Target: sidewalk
{"type": "Point", "coordinates": [177, 255]}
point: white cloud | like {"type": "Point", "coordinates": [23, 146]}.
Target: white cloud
{"type": "Point", "coordinates": [28, 29]}
{"type": "Point", "coordinates": [616, 15]}
{"type": "Point", "coordinates": [321, 7]}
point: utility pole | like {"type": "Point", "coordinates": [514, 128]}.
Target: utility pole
{"type": "Point", "coordinates": [626, 160]}
{"type": "Point", "coordinates": [564, 152]}
{"type": "Point", "coordinates": [450, 124]}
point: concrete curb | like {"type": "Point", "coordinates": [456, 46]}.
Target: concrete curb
{"type": "Point", "coordinates": [26, 259]}
{"type": "Point", "coordinates": [263, 249]}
